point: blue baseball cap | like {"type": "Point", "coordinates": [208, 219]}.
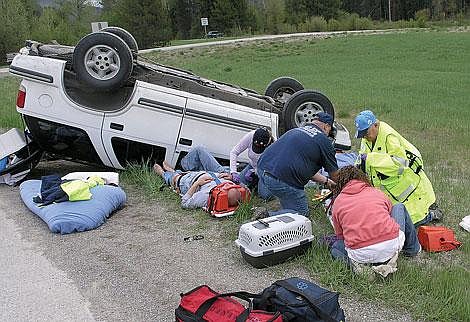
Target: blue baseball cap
{"type": "Point", "coordinates": [324, 118]}
{"type": "Point", "coordinates": [363, 121]}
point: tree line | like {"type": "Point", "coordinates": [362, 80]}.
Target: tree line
{"type": "Point", "coordinates": [156, 22]}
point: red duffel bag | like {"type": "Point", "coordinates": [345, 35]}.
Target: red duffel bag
{"type": "Point", "coordinates": [204, 304]}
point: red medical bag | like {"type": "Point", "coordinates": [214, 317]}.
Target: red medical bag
{"type": "Point", "coordinates": [437, 238]}
{"type": "Point", "coordinates": [217, 204]}
{"type": "Point", "coordinates": [204, 304]}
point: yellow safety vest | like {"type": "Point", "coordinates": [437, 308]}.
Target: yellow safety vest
{"type": "Point", "coordinates": [395, 166]}
{"type": "Point", "coordinates": [78, 190]}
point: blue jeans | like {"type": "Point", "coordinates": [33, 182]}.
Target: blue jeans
{"type": "Point", "coordinates": [169, 175]}
{"type": "Point", "coordinates": [199, 159]}
{"type": "Point", "coordinates": [424, 221]}
{"type": "Point", "coordinates": [338, 251]}
{"type": "Point", "coordinates": [403, 219]}
{"type": "Point", "coordinates": [290, 197]}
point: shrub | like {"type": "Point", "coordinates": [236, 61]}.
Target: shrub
{"type": "Point", "coordinates": [333, 25]}
{"type": "Point", "coordinates": [314, 23]}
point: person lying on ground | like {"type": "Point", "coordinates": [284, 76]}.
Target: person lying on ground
{"type": "Point", "coordinates": [396, 166]}
{"type": "Point", "coordinates": [195, 186]}
{"type": "Point", "coordinates": [200, 159]}
{"type": "Point", "coordinates": [288, 164]}
{"type": "Point", "coordinates": [254, 142]}
{"type": "Point", "coordinates": [369, 230]}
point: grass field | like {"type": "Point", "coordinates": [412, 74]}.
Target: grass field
{"type": "Point", "coordinates": [419, 83]}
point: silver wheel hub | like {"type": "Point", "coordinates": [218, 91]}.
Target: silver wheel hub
{"type": "Point", "coordinates": [306, 112]}
{"type": "Point", "coordinates": [102, 62]}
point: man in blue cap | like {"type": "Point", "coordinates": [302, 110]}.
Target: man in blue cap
{"type": "Point", "coordinates": [288, 164]}
{"type": "Point", "coordinates": [396, 167]}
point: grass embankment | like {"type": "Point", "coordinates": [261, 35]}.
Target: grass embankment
{"type": "Point", "coordinates": [418, 83]}
{"type": "Point", "coordinates": [8, 90]}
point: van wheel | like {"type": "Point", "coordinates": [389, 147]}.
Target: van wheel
{"type": "Point", "coordinates": [282, 88]}
{"type": "Point", "coordinates": [126, 36]}
{"type": "Point", "coordinates": [102, 60]}
{"type": "Point", "coordinates": [302, 107]}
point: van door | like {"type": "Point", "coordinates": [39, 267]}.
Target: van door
{"type": "Point", "coordinates": [147, 129]}
{"type": "Point", "coordinates": [218, 126]}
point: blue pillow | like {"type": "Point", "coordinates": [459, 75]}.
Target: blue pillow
{"type": "Point", "coordinates": [75, 216]}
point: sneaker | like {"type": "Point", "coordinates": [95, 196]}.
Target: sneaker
{"type": "Point", "coordinates": [435, 212]}
{"type": "Point", "coordinates": [362, 269]}
{"type": "Point", "coordinates": [260, 213]}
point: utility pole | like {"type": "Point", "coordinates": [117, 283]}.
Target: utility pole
{"type": "Point", "coordinates": [389, 11]}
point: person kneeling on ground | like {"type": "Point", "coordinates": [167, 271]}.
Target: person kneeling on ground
{"type": "Point", "coordinates": [396, 166]}
{"type": "Point", "coordinates": [195, 186]}
{"type": "Point", "coordinates": [287, 165]}
{"type": "Point", "coordinates": [368, 228]}
{"type": "Point", "coordinates": [254, 142]}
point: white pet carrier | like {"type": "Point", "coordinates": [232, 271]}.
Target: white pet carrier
{"type": "Point", "coordinates": [272, 240]}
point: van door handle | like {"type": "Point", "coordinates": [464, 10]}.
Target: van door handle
{"type": "Point", "coordinates": [184, 141]}
{"type": "Point", "coordinates": [116, 126]}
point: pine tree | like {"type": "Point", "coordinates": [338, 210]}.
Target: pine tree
{"type": "Point", "coordinates": [147, 20]}
{"type": "Point", "coordinates": [15, 26]}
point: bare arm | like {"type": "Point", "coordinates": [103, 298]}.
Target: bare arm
{"type": "Point", "coordinates": [321, 179]}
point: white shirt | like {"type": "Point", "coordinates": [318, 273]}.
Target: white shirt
{"type": "Point", "coordinates": [377, 253]}
{"type": "Point", "coordinates": [245, 143]}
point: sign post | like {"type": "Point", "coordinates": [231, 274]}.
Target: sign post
{"type": "Point", "coordinates": [205, 23]}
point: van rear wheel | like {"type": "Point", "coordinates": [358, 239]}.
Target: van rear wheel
{"type": "Point", "coordinates": [302, 107]}
{"type": "Point", "coordinates": [103, 61]}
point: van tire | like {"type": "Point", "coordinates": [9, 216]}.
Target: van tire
{"type": "Point", "coordinates": [126, 36]}
{"type": "Point", "coordinates": [280, 89]}
{"type": "Point", "coordinates": [310, 103]}
{"type": "Point", "coordinates": [103, 61]}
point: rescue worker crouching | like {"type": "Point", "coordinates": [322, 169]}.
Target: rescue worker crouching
{"type": "Point", "coordinates": [396, 167]}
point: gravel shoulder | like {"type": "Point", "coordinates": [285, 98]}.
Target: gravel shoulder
{"type": "Point", "coordinates": [134, 266]}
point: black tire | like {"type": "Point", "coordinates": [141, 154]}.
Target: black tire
{"type": "Point", "coordinates": [309, 101]}
{"type": "Point", "coordinates": [102, 61]}
{"type": "Point", "coordinates": [126, 36]}
{"type": "Point", "coordinates": [282, 88]}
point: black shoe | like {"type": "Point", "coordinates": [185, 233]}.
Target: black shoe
{"type": "Point", "coordinates": [260, 213]}
{"type": "Point", "coordinates": [435, 212]}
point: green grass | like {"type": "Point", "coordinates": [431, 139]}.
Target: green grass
{"type": "Point", "coordinates": [418, 82]}
{"type": "Point", "coordinates": [8, 90]}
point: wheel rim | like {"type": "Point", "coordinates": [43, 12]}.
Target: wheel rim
{"type": "Point", "coordinates": [283, 94]}
{"type": "Point", "coordinates": [306, 112]}
{"type": "Point", "coordinates": [102, 62]}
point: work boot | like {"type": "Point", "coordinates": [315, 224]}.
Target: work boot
{"type": "Point", "coordinates": [435, 212]}
{"type": "Point", "coordinates": [260, 213]}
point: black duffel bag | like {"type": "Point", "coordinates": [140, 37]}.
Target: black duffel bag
{"type": "Point", "coordinates": [300, 300]}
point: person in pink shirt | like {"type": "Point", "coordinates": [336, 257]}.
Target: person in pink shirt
{"type": "Point", "coordinates": [254, 142]}
{"type": "Point", "coordinates": [368, 228]}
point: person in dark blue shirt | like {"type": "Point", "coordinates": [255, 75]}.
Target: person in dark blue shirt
{"type": "Point", "coordinates": [289, 163]}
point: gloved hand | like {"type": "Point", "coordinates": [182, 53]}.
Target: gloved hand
{"type": "Point", "coordinates": [235, 177]}
{"type": "Point", "coordinates": [362, 166]}
{"type": "Point", "coordinates": [249, 176]}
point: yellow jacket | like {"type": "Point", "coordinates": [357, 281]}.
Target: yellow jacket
{"type": "Point", "coordinates": [395, 166]}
